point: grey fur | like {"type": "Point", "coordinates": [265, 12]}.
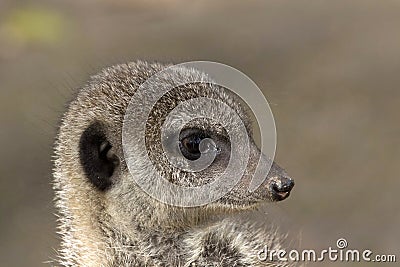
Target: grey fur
{"type": "Point", "coordinates": [122, 225]}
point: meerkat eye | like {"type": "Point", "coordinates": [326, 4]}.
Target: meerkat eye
{"type": "Point", "coordinates": [190, 143]}
{"type": "Point", "coordinates": [97, 157]}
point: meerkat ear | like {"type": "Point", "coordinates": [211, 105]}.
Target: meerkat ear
{"type": "Point", "coordinates": [97, 157]}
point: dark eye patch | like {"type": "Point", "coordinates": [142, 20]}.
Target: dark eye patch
{"type": "Point", "coordinates": [96, 157]}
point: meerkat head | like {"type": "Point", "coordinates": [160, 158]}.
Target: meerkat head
{"type": "Point", "coordinates": [100, 156]}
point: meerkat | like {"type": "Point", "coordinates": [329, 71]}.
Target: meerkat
{"type": "Point", "coordinates": [106, 219]}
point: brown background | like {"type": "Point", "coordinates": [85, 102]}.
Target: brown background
{"type": "Point", "coordinates": [330, 69]}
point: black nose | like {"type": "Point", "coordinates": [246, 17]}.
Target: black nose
{"type": "Point", "coordinates": [281, 187]}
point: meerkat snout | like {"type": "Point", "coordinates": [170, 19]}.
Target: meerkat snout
{"type": "Point", "coordinates": [280, 188]}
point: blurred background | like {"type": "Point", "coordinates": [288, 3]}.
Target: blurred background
{"type": "Point", "coordinates": [330, 69]}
